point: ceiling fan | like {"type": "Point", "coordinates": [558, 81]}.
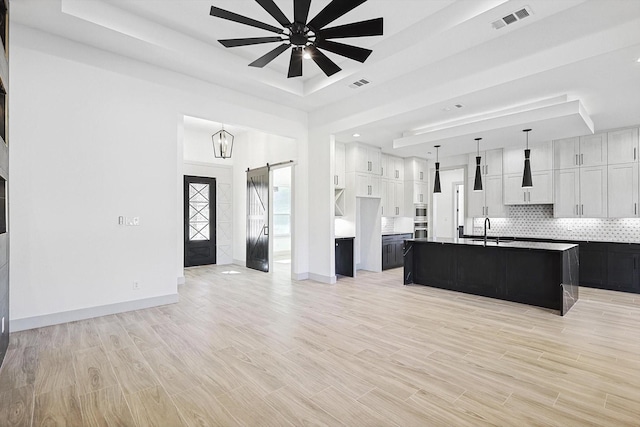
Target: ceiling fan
{"type": "Point", "coordinates": [306, 38]}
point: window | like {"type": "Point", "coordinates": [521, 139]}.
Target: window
{"type": "Point", "coordinates": [199, 211]}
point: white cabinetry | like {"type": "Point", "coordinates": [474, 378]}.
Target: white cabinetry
{"type": "Point", "coordinates": [392, 194]}
{"type": "Point", "coordinates": [366, 159]}
{"type": "Point", "coordinates": [392, 167]}
{"type": "Point", "coordinates": [590, 150]}
{"type": "Point", "coordinates": [489, 201]}
{"type": "Point", "coordinates": [339, 179]}
{"type": "Point", "coordinates": [580, 180]}
{"type": "Point", "coordinates": [541, 175]}
{"type": "Point", "coordinates": [622, 194]}
{"type": "Point", "coordinates": [622, 146]}
{"type": "Point", "coordinates": [420, 192]}
{"type": "Point", "coordinates": [415, 169]}
{"type": "Point", "coordinates": [367, 185]}
{"type": "Point", "coordinates": [581, 192]}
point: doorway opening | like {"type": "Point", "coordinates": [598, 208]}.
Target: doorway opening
{"type": "Point", "coordinates": [282, 217]}
{"type": "Point", "coordinates": [448, 206]}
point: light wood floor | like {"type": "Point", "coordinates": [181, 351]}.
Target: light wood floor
{"type": "Point", "coordinates": [256, 349]}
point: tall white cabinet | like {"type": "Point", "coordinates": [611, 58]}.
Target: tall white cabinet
{"type": "Point", "coordinates": [581, 177]}
{"type": "Point", "coordinates": [392, 190]}
{"type": "Point", "coordinates": [622, 173]}
{"type": "Point", "coordinates": [541, 175]}
{"type": "Point", "coordinates": [489, 202]}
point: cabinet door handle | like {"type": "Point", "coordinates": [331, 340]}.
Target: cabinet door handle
{"type": "Point", "coordinates": [577, 162]}
{"type": "Point", "coordinates": [577, 211]}
{"type": "Point", "coordinates": [634, 153]}
{"type": "Point", "coordinates": [398, 174]}
{"type": "Point", "coordinates": [335, 180]}
{"type": "Point", "coordinates": [582, 159]}
{"type": "Point", "coordinates": [524, 196]}
{"type": "Point", "coordinates": [635, 208]}
{"type": "Point", "coordinates": [581, 209]}
{"type": "Point", "coordinates": [421, 176]}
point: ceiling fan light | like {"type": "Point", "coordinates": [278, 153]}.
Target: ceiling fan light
{"type": "Point", "coordinates": [306, 53]}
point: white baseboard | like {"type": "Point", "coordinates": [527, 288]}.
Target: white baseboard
{"type": "Point", "coordinates": [181, 280]}
{"type": "Point", "coordinates": [240, 262]}
{"type": "Point", "coordinates": [90, 312]}
{"type": "Point", "coordinates": [322, 279]}
{"type": "Point", "coordinates": [300, 276]}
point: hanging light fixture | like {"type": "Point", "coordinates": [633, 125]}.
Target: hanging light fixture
{"type": "Point", "coordinates": [477, 184]}
{"type": "Point", "coordinates": [526, 177]}
{"type": "Point", "coordinates": [436, 182]}
{"type": "Point", "coordinates": [222, 144]}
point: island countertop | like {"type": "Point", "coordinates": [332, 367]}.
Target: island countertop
{"type": "Point", "coordinates": [493, 242]}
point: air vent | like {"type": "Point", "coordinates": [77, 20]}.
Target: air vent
{"type": "Point", "coordinates": [512, 17]}
{"type": "Point", "coordinates": [359, 83]}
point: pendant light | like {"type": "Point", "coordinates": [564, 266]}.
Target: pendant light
{"type": "Point", "coordinates": [477, 184]}
{"type": "Point", "coordinates": [526, 177]}
{"type": "Point", "coordinates": [436, 182]}
{"type": "Point", "coordinates": [222, 144]}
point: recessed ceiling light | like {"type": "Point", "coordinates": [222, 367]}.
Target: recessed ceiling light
{"type": "Point", "coordinates": [356, 135]}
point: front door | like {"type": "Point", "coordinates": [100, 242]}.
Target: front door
{"type": "Point", "coordinates": [258, 219]}
{"type": "Point", "coordinates": [199, 221]}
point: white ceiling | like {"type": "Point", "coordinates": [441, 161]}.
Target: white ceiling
{"type": "Point", "coordinates": [434, 54]}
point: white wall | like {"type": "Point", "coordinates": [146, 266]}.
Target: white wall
{"type": "Point", "coordinates": [95, 136]}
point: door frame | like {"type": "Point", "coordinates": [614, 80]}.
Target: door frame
{"type": "Point", "coordinates": [212, 215]}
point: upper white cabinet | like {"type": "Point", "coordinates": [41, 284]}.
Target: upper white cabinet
{"type": "Point", "coordinates": [367, 185]}
{"type": "Point", "coordinates": [581, 192]}
{"type": "Point", "coordinates": [540, 193]}
{"type": "Point", "coordinates": [622, 146]}
{"type": "Point", "coordinates": [415, 169]}
{"type": "Point", "coordinates": [363, 158]}
{"type": "Point", "coordinates": [590, 150]}
{"type": "Point", "coordinates": [490, 163]}
{"type": "Point", "coordinates": [392, 167]}
{"type": "Point", "coordinates": [339, 179]}
{"type": "Point", "coordinates": [622, 194]}
{"type": "Point", "coordinates": [541, 158]}
{"type": "Point", "coordinates": [489, 201]}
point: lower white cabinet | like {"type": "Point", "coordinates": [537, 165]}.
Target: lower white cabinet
{"type": "Point", "coordinates": [540, 193]}
{"type": "Point", "coordinates": [622, 194]}
{"type": "Point", "coordinates": [367, 185]}
{"type": "Point", "coordinates": [580, 192]}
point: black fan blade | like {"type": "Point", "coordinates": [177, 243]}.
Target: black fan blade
{"type": "Point", "coordinates": [352, 52]}
{"type": "Point", "coordinates": [230, 16]}
{"type": "Point", "coordinates": [328, 66]}
{"type": "Point", "coordinates": [249, 41]}
{"type": "Point", "coordinates": [274, 11]}
{"type": "Point", "coordinates": [301, 11]}
{"type": "Point", "coordinates": [265, 59]}
{"type": "Point", "coordinates": [295, 65]}
{"type": "Point", "coordinates": [372, 27]}
{"type": "Point", "coordinates": [333, 11]}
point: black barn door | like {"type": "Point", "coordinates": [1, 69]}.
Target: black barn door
{"type": "Point", "coordinates": [199, 221]}
{"type": "Point", "coordinates": [258, 219]}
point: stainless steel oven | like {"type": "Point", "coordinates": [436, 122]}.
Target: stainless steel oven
{"type": "Point", "coordinates": [420, 229]}
{"type": "Point", "coordinates": [421, 212]}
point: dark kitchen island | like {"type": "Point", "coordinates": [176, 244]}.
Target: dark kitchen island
{"type": "Point", "coordinates": [535, 273]}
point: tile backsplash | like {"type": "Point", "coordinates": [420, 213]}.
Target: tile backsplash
{"type": "Point", "coordinates": [538, 221]}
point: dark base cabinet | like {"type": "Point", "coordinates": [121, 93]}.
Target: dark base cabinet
{"type": "Point", "coordinates": [392, 250]}
{"type": "Point", "coordinates": [612, 266]}
{"type": "Point", "coordinates": [344, 256]}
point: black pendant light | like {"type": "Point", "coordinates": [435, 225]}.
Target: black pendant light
{"type": "Point", "coordinates": [526, 177]}
{"type": "Point", "coordinates": [436, 182]}
{"type": "Point", "coordinates": [477, 184]}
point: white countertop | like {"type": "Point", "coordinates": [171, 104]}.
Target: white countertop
{"type": "Point", "coordinates": [491, 242]}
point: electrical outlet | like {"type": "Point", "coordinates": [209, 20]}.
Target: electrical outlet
{"type": "Point", "coordinates": [136, 285]}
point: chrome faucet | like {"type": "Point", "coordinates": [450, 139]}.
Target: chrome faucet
{"type": "Point", "coordinates": [486, 221]}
